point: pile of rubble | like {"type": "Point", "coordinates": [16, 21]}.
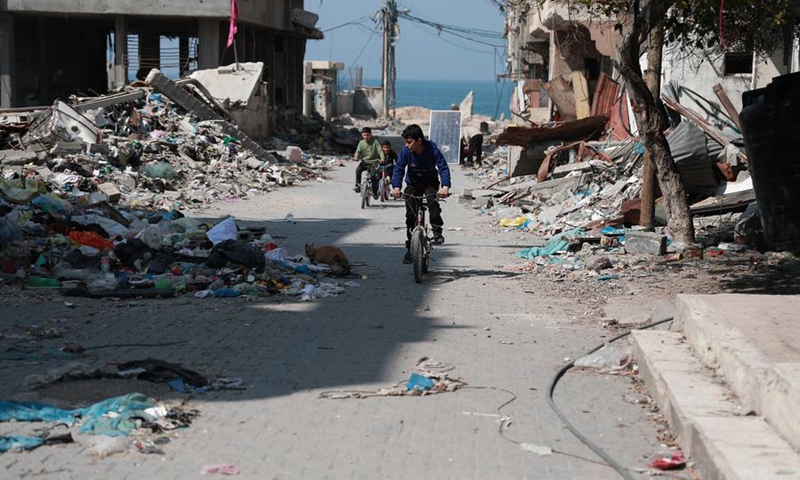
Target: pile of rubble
{"type": "Point", "coordinates": [583, 196]}
{"type": "Point", "coordinates": [139, 148]}
{"type": "Point", "coordinates": [91, 194]}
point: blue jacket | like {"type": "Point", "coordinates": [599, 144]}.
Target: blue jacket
{"type": "Point", "coordinates": [421, 170]}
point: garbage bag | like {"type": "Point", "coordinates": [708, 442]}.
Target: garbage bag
{"type": "Point", "coordinates": [237, 252]}
{"type": "Point", "coordinates": [129, 251]}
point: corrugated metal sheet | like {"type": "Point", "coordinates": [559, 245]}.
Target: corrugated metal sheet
{"type": "Point", "coordinates": [608, 101]}
{"type": "Point", "coordinates": [689, 147]}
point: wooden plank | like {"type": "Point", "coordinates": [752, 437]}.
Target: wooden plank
{"type": "Point", "coordinates": [580, 89]}
{"type": "Point", "coordinates": [726, 102]}
{"type": "Point", "coordinates": [562, 97]}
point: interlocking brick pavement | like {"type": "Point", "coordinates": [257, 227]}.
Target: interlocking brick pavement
{"type": "Point", "coordinates": [468, 312]}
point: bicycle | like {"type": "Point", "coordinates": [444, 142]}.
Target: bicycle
{"type": "Point", "coordinates": [384, 185]}
{"type": "Point", "coordinates": [366, 185]}
{"type": "Point", "coordinates": [421, 244]}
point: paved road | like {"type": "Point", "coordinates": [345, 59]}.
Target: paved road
{"type": "Point", "coordinates": [506, 334]}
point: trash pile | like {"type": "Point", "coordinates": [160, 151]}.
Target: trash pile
{"type": "Point", "coordinates": [91, 194]}
{"type": "Point", "coordinates": [98, 251]}
{"type": "Point", "coordinates": [119, 424]}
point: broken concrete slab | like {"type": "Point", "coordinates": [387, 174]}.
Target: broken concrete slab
{"type": "Point", "coordinates": [646, 242]}
{"type": "Point", "coordinates": [20, 157]}
{"type": "Point", "coordinates": [110, 191]}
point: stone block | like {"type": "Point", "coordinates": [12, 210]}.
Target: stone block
{"type": "Point", "coordinates": [646, 242]}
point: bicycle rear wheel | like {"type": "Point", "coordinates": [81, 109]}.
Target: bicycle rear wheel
{"type": "Point", "coordinates": [418, 253]}
{"type": "Point", "coordinates": [383, 190]}
{"type": "Point", "coordinates": [365, 193]}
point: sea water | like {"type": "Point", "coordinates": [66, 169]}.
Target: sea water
{"type": "Point", "coordinates": [490, 98]}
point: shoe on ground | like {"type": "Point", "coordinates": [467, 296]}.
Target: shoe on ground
{"type": "Point", "coordinates": [438, 239]}
{"type": "Point", "coordinates": [407, 259]}
{"type": "Point", "coordinates": [357, 189]}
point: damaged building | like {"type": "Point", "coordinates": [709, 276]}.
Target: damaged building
{"type": "Point", "coordinates": [560, 58]}
{"type": "Point", "coordinates": [575, 132]}
{"type": "Point", "coordinates": [53, 49]}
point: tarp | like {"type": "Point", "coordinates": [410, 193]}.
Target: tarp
{"type": "Point", "coordinates": [558, 243]}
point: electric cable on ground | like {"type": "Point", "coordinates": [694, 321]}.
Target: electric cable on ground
{"type": "Point", "coordinates": [592, 446]}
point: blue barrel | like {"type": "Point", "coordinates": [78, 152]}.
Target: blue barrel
{"type": "Point", "coordinates": [770, 122]}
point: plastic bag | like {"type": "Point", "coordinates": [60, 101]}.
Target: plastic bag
{"type": "Point", "coordinates": [224, 230]}
{"type": "Point", "coordinates": [91, 239]}
{"type": "Point", "coordinates": [9, 231]}
{"type": "Point", "coordinates": [612, 358]}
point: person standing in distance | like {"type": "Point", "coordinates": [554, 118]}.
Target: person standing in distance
{"type": "Point", "coordinates": [368, 151]}
{"type": "Point", "coordinates": [422, 165]}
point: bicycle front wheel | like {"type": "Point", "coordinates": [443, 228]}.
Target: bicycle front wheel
{"type": "Point", "coordinates": [418, 253]}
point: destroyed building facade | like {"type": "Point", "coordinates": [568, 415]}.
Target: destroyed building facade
{"type": "Point", "coordinates": [56, 48]}
{"type": "Point", "coordinates": [553, 48]}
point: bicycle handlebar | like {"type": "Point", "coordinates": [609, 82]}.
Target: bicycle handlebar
{"type": "Point", "coordinates": [425, 197]}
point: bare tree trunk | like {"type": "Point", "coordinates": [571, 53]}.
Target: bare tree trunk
{"type": "Point", "coordinates": [654, 59]}
{"type": "Point", "coordinates": [640, 18]}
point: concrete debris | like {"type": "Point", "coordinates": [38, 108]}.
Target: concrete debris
{"type": "Point", "coordinates": [158, 146]}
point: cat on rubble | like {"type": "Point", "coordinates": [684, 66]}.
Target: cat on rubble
{"type": "Point", "coordinates": [331, 256]}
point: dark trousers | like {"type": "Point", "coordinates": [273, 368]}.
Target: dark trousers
{"type": "Point", "coordinates": [475, 148]}
{"type": "Point", "coordinates": [434, 211]}
{"type": "Point", "coordinates": [361, 168]}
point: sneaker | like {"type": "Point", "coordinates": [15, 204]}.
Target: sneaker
{"type": "Point", "coordinates": [357, 189]}
{"type": "Point", "coordinates": [438, 239]}
{"type": "Point", "coordinates": [408, 259]}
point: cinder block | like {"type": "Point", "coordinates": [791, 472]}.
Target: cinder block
{"type": "Point", "coordinates": [646, 242]}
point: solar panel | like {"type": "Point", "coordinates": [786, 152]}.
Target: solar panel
{"type": "Point", "coordinates": [446, 133]}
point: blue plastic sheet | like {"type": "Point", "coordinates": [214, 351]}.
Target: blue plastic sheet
{"type": "Point", "coordinates": [35, 412]}
{"type": "Point", "coordinates": [95, 418]}
{"type": "Point", "coordinates": [125, 408]}
{"type": "Point", "coordinates": [609, 231]}
{"type": "Point", "coordinates": [18, 442]}
{"type": "Point", "coordinates": [558, 243]}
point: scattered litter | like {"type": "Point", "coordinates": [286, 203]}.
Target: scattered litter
{"type": "Point", "coordinates": [103, 446]}
{"type": "Point", "coordinates": [540, 450]}
{"type": "Point", "coordinates": [430, 377]}
{"type": "Point", "coordinates": [636, 398]}
{"type": "Point", "coordinates": [666, 459]}
{"type": "Point", "coordinates": [221, 468]}
{"type": "Point", "coordinates": [611, 358]}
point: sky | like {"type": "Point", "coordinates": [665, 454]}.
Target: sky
{"type": "Point", "coordinates": [421, 54]}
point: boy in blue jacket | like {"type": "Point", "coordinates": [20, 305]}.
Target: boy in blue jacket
{"type": "Point", "coordinates": [422, 165]}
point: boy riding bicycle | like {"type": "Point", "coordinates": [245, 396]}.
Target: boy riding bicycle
{"type": "Point", "coordinates": [422, 164]}
{"type": "Point", "coordinates": [370, 153]}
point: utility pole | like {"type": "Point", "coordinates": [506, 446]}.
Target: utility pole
{"type": "Point", "coordinates": [389, 73]}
